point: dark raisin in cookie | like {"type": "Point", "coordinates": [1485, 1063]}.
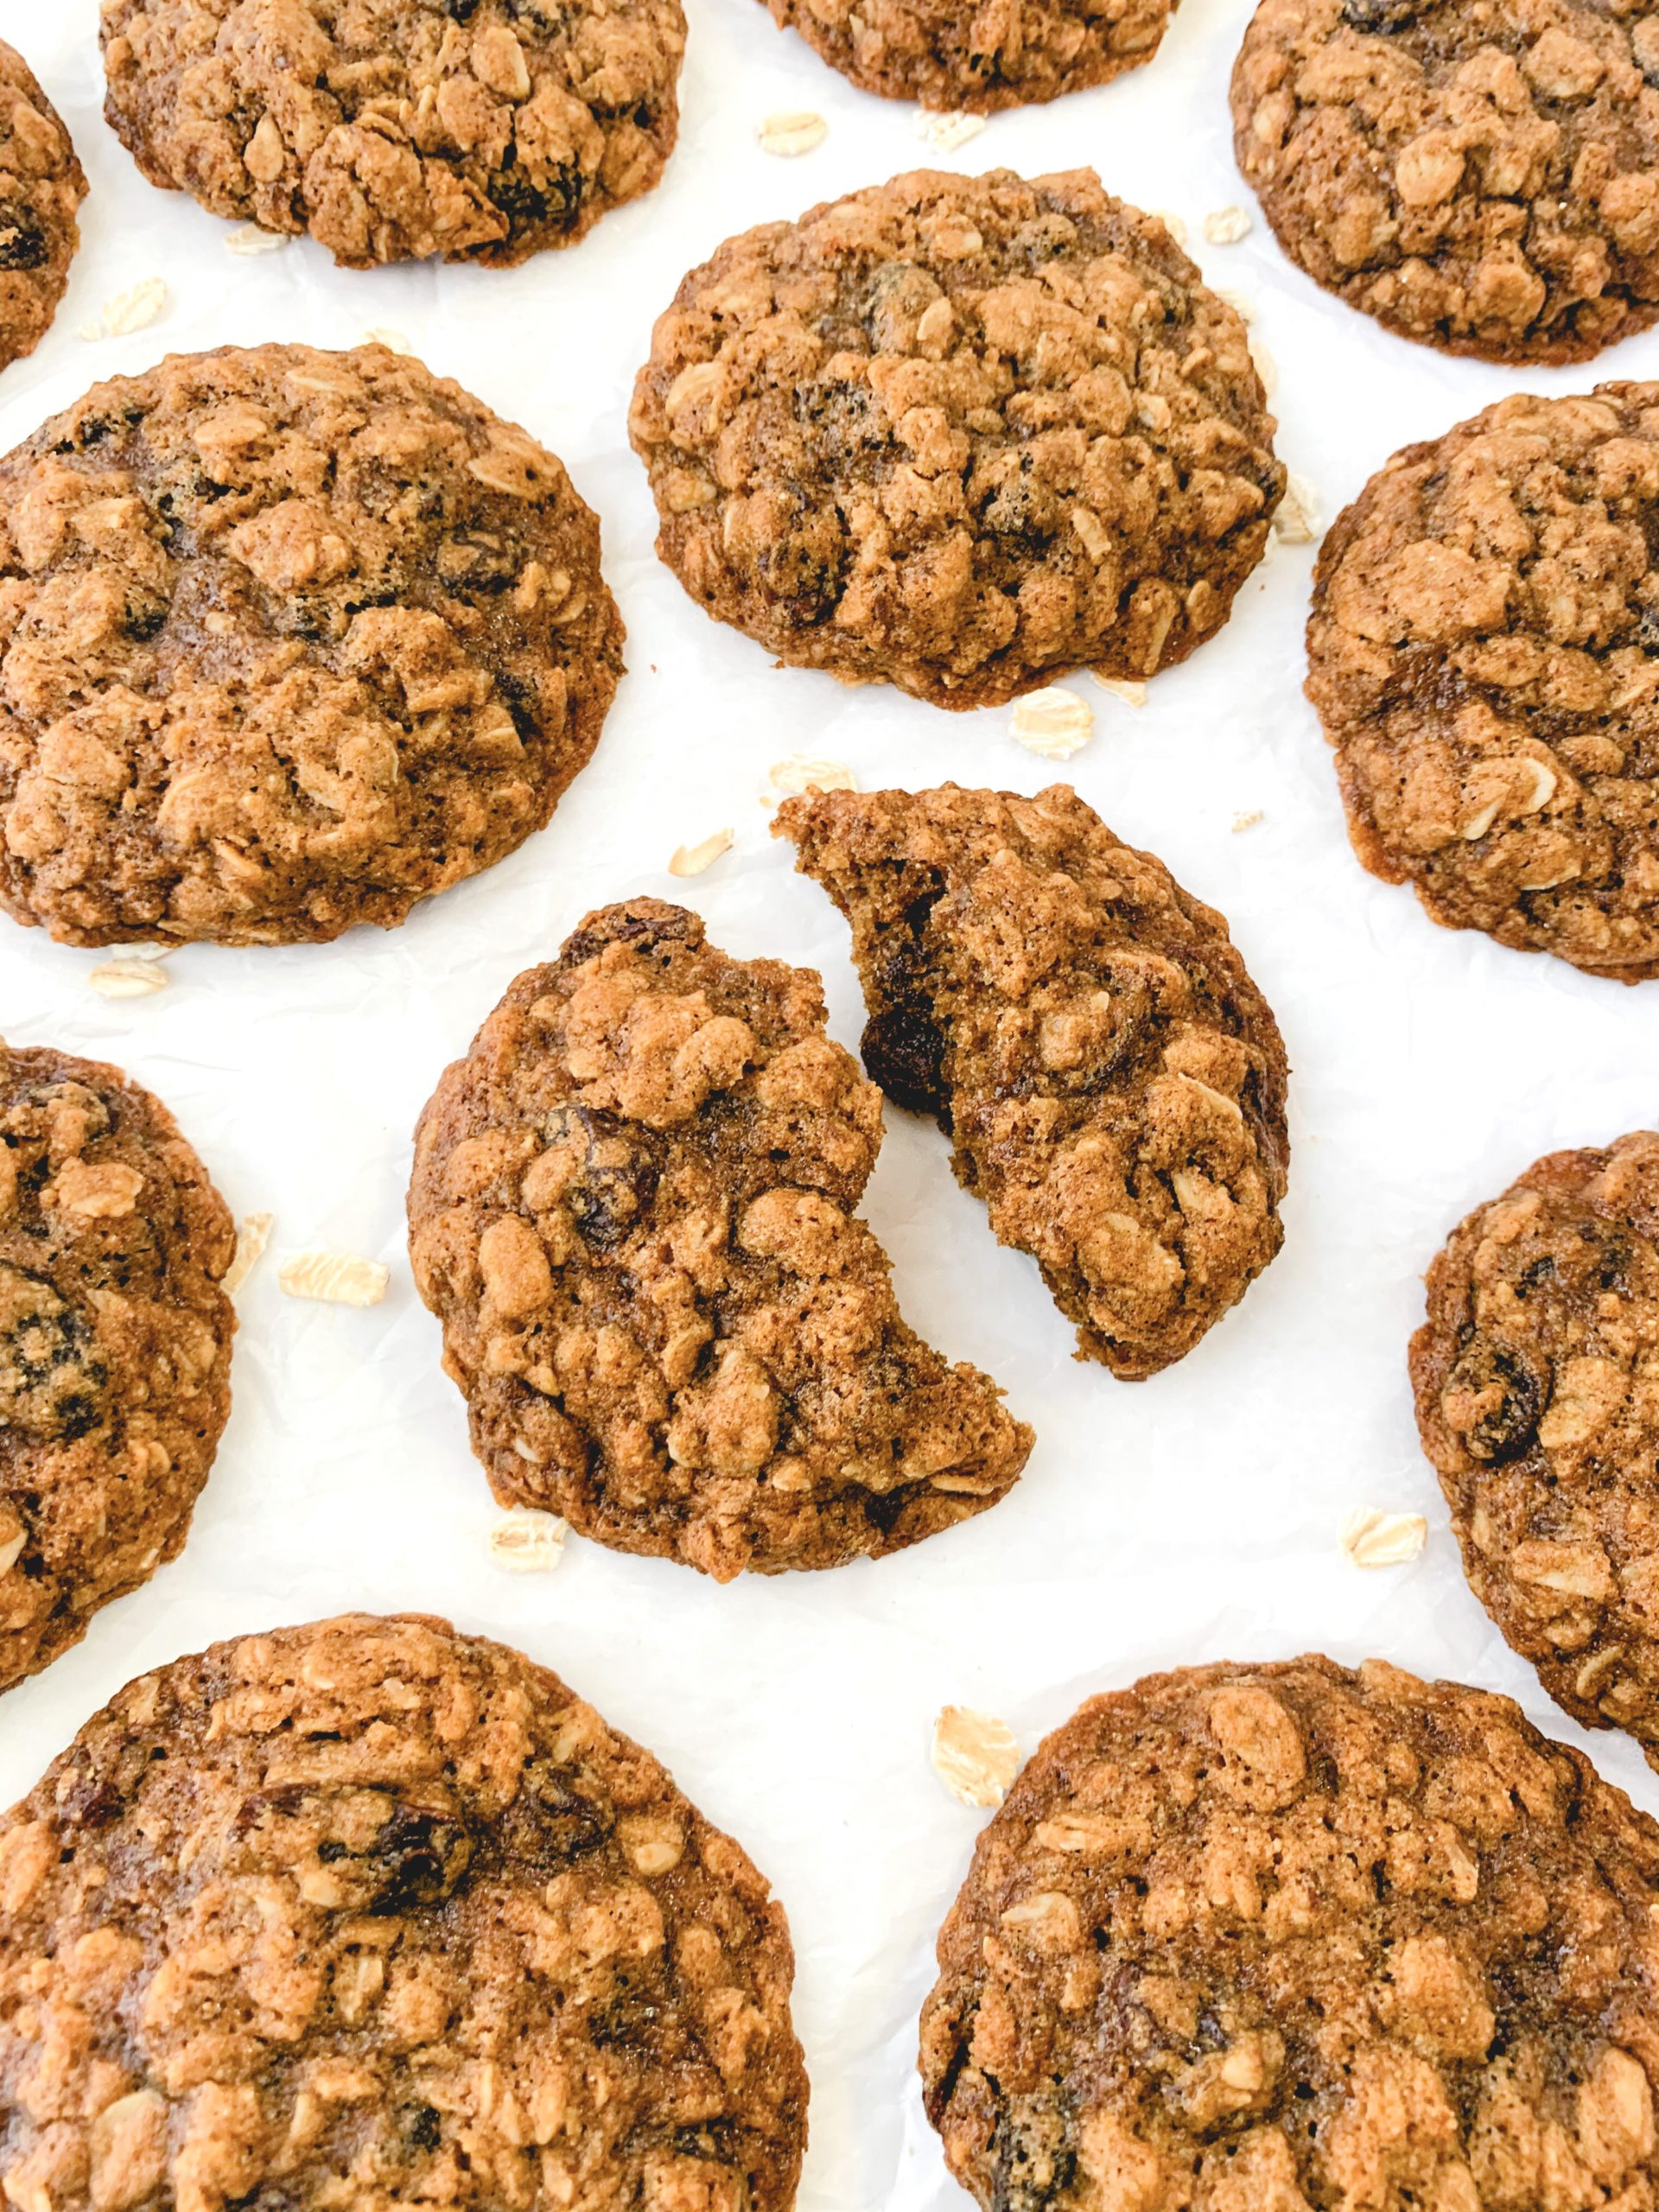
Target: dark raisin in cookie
{"type": "Point", "coordinates": [1482, 175]}
{"type": "Point", "coordinates": [1481, 651]}
{"type": "Point", "coordinates": [371, 1914]}
{"type": "Point", "coordinates": [1264, 1939]}
{"type": "Point", "coordinates": [289, 641]}
{"type": "Point", "coordinates": [394, 130]}
{"type": "Point", "coordinates": [1112, 1081]}
{"type": "Point", "coordinates": [978, 59]}
{"type": "Point", "coordinates": [1537, 1376]}
{"type": "Point", "coordinates": [957, 433]}
{"type": "Point", "coordinates": [633, 1210]}
{"type": "Point", "coordinates": [115, 1348]}
{"type": "Point", "coordinates": [41, 185]}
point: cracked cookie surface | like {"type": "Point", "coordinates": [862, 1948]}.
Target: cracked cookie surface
{"type": "Point", "coordinates": [41, 186]}
{"type": "Point", "coordinates": [1537, 1376]}
{"type": "Point", "coordinates": [1268, 1939]}
{"type": "Point", "coordinates": [397, 129]}
{"type": "Point", "coordinates": [1112, 1081]}
{"type": "Point", "coordinates": [632, 1208]}
{"type": "Point", "coordinates": [370, 1913]}
{"type": "Point", "coordinates": [289, 641]}
{"type": "Point", "coordinates": [1482, 175]}
{"type": "Point", "coordinates": [1006, 53]}
{"type": "Point", "coordinates": [1482, 653]}
{"type": "Point", "coordinates": [958, 434]}
{"type": "Point", "coordinates": [115, 1345]}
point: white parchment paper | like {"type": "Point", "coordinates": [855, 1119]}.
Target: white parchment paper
{"type": "Point", "coordinates": [1194, 1516]}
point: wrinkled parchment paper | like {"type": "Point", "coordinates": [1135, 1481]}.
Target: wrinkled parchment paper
{"type": "Point", "coordinates": [1194, 1516]}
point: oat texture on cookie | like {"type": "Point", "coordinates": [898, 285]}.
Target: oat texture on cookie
{"type": "Point", "coordinates": [371, 1914]}
{"type": "Point", "coordinates": [959, 433]}
{"type": "Point", "coordinates": [289, 641]}
{"type": "Point", "coordinates": [115, 1348]}
{"type": "Point", "coordinates": [1481, 175]}
{"type": "Point", "coordinates": [631, 1209]}
{"type": "Point", "coordinates": [1482, 653]}
{"type": "Point", "coordinates": [41, 186]}
{"type": "Point", "coordinates": [1112, 1081]}
{"type": "Point", "coordinates": [1265, 1939]}
{"type": "Point", "coordinates": [399, 130]}
{"type": "Point", "coordinates": [1536, 1375]}
{"type": "Point", "coordinates": [972, 61]}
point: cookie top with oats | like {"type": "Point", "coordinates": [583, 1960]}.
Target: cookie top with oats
{"type": "Point", "coordinates": [1112, 1081]}
{"type": "Point", "coordinates": [1481, 175]}
{"type": "Point", "coordinates": [289, 641]}
{"type": "Point", "coordinates": [958, 434]}
{"type": "Point", "coordinates": [400, 130]}
{"type": "Point", "coordinates": [370, 1913]}
{"type": "Point", "coordinates": [115, 1348]}
{"type": "Point", "coordinates": [1256, 1939]}
{"type": "Point", "coordinates": [633, 1210]}
{"type": "Point", "coordinates": [41, 185]}
{"type": "Point", "coordinates": [1537, 1376]}
{"type": "Point", "coordinates": [977, 60]}
{"type": "Point", "coordinates": [1481, 653]}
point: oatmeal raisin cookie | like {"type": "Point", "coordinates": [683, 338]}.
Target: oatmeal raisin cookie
{"type": "Point", "coordinates": [373, 1914]}
{"type": "Point", "coordinates": [633, 1210]}
{"type": "Point", "coordinates": [958, 434]}
{"type": "Point", "coordinates": [1482, 175]}
{"type": "Point", "coordinates": [289, 641]}
{"type": "Point", "coordinates": [115, 1347]}
{"type": "Point", "coordinates": [1264, 1939]}
{"type": "Point", "coordinates": [1482, 651]}
{"type": "Point", "coordinates": [396, 130]}
{"type": "Point", "coordinates": [1112, 1081]}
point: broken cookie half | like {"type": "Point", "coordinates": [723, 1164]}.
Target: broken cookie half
{"type": "Point", "coordinates": [631, 1209]}
{"type": "Point", "coordinates": [1112, 1081]}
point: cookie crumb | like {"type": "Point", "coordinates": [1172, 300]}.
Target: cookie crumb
{"type": "Point", "coordinates": [1053, 722]}
{"type": "Point", "coordinates": [252, 1235]}
{"type": "Point", "coordinates": [1247, 821]}
{"type": "Point", "coordinates": [1227, 226]}
{"type": "Point", "coordinates": [799, 772]}
{"type": "Point", "coordinates": [335, 1278]}
{"type": "Point", "coordinates": [975, 1755]}
{"type": "Point", "coordinates": [253, 238]}
{"type": "Point", "coordinates": [525, 1542]}
{"type": "Point", "coordinates": [1131, 693]}
{"type": "Point", "coordinates": [792, 133]}
{"type": "Point", "coordinates": [945, 133]}
{"type": "Point", "coordinates": [127, 979]}
{"type": "Point", "coordinates": [133, 310]}
{"type": "Point", "coordinates": [691, 860]}
{"type": "Point", "coordinates": [1297, 520]}
{"type": "Point", "coordinates": [1370, 1537]}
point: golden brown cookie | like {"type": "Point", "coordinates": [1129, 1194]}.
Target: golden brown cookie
{"type": "Point", "coordinates": [370, 1914]}
{"type": "Point", "coordinates": [41, 185]}
{"type": "Point", "coordinates": [981, 59]}
{"type": "Point", "coordinates": [1265, 1939]}
{"type": "Point", "coordinates": [1537, 1376]}
{"type": "Point", "coordinates": [396, 130]}
{"type": "Point", "coordinates": [633, 1210]}
{"type": "Point", "coordinates": [1482, 175]}
{"type": "Point", "coordinates": [115, 1349]}
{"type": "Point", "coordinates": [958, 434]}
{"type": "Point", "coordinates": [1112, 1081]}
{"type": "Point", "coordinates": [289, 641]}
{"type": "Point", "coordinates": [1481, 652]}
